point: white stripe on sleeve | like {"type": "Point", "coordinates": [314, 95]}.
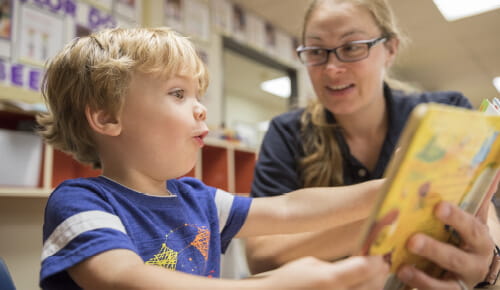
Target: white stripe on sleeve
{"type": "Point", "coordinates": [76, 225]}
{"type": "Point", "coordinates": [223, 202]}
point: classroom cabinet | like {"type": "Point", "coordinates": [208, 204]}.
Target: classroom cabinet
{"type": "Point", "coordinates": [222, 164]}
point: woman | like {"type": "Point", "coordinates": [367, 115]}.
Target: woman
{"type": "Point", "coordinates": [348, 136]}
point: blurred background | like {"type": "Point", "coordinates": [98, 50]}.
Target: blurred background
{"type": "Point", "coordinates": [461, 55]}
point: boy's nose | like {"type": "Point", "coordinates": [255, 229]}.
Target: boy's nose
{"type": "Point", "coordinates": [200, 112]}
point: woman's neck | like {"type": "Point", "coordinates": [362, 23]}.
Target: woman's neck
{"type": "Point", "coordinates": [366, 123]}
{"type": "Point", "coordinates": [365, 132]}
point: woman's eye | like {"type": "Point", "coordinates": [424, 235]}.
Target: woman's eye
{"type": "Point", "coordinates": [351, 47]}
{"type": "Point", "coordinates": [177, 93]}
{"type": "Point", "coordinates": [315, 52]}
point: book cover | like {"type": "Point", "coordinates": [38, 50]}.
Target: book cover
{"type": "Point", "coordinates": [445, 153]}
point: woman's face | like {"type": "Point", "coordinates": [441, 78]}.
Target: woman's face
{"type": "Point", "coordinates": [347, 87]}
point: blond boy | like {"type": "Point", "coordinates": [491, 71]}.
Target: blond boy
{"type": "Point", "coordinates": [127, 101]}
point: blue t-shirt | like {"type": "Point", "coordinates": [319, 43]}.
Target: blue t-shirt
{"type": "Point", "coordinates": [185, 232]}
{"type": "Point", "coordinates": [277, 170]}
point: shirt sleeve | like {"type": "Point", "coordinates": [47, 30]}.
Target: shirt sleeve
{"type": "Point", "coordinates": [228, 210]}
{"type": "Point", "coordinates": [451, 98]}
{"type": "Point", "coordinates": [276, 170]}
{"type": "Point", "coordinates": [232, 211]}
{"type": "Point", "coordinates": [78, 224]}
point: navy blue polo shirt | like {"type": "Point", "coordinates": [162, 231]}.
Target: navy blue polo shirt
{"type": "Point", "coordinates": [277, 169]}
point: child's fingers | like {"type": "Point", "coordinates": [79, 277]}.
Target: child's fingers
{"type": "Point", "coordinates": [374, 272]}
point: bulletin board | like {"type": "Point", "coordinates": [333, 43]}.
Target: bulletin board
{"type": "Point", "coordinates": [33, 31]}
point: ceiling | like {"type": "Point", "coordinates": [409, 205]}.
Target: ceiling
{"type": "Point", "coordinates": [463, 55]}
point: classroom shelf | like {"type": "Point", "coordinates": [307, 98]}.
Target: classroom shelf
{"type": "Point", "coordinates": [222, 164]}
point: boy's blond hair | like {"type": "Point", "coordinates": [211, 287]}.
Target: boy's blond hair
{"type": "Point", "coordinates": [95, 71]}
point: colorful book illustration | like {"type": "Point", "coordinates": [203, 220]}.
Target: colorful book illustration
{"type": "Point", "coordinates": [445, 153]}
{"type": "Point", "coordinates": [490, 107]}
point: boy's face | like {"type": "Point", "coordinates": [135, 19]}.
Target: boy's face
{"type": "Point", "coordinates": [162, 125]}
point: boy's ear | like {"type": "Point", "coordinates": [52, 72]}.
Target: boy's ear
{"type": "Point", "coordinates": [103, 122]}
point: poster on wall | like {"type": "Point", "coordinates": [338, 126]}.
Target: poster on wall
{"type": "Point", "coordinates": [221, 12]}
{"type": "Point", "coordinates": [199, 19]}
{"type": "Point", "coordinates": [174, 14]}
{"type": "Point", "coordinates": [40, 35]}
{"type": "Point", "coordinates": [4, 71]}
{"type": "Point", "coordinates": [270, 39]}
{"type": "Point", "coordinates": [92, 18]}
{"type": "Point", "coordinates": [255, 31]}
{"type": "Point", "coordinates": [238, 22]}
{"type": "Point", "coordinates": [5, 27]}
{"type": "Point", "coordinates": [5, 19]}
{"type": "Point", "coordinates": [130, 9]}
{"type": "Point", "coordinates": [101, 4]}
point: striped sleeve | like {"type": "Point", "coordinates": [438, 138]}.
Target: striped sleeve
{"type": "Point", "coordinates": [76, 225]}
{"type": "Point", "coordinates": [232, 211]}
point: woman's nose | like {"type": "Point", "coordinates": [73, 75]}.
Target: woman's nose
{"type": "Point", "coordinates": [333, 63]}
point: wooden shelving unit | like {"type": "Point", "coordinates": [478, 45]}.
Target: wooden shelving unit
{"type": "Point", "coordinates": [222, 164]}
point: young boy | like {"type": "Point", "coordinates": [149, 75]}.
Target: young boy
{"type": "Point", "coordinates": [127, 101]}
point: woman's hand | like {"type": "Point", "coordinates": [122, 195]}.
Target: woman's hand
{"type": "Point", "coordinates": [467, 264]}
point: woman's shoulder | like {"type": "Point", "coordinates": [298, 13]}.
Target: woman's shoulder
{"type": "Point", "coordinates": [289, 117]}
{"type": "Point", "coordinates": [289, 121]}
{"type": "Point", "coordinates": [452, 98]}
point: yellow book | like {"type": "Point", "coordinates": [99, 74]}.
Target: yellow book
{"type": "Point", "coordinates": [445, 153]}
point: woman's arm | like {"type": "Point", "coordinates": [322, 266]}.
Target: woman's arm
{"type": "Point", "coordinates": [310, 209]}
{"type": "Point", "coordinates": [265, 253]}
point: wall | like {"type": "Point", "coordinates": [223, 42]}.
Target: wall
{"type": "Point", "coordinates": [249, 111]}
{"type": "Point", "coordinates": [21, 221]}
{"type": "Point", "coordinates": [21, 218]}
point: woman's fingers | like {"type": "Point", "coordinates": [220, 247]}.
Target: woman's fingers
{"type": "Point", "coordinates": [472, 231]}
{"type": "Point", "coordinates": [417, 279]}
{"type": "Point", "coordinates": [468, 262]}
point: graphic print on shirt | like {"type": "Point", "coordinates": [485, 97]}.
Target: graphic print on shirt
{"type": "Point", "coordinates": [185, 249]}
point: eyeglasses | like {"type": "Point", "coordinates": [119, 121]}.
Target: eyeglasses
{"type": "Point", "coordinates": [350, 52]}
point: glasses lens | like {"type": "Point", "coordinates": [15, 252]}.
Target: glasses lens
{"type": "Point", "coordinates": [353, 51]}
{"type": "Point", "coordinates": [313, 56]}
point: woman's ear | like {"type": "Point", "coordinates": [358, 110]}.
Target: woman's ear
{"type": "Point", "coordinates": [103, 122]}
{"type": "Point", "coordinates": [392, 46]}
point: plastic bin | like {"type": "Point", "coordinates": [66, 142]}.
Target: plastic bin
{"type": "Point", "coordinates": [20, 158]}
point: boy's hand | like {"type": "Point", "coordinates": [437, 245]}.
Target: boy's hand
{"type": "Point", "coordinates": [311, 273]}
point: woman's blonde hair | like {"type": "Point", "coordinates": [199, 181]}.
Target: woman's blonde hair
{"type": "Point", "coordinates": [322, 164]}
{"type": "Point", "coordinates": [95, 71]}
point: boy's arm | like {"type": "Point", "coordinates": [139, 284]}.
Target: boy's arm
{"type": "Point", "coordinates": [123, 269]}
{"type": "Point", "coordinates": [310, 209]}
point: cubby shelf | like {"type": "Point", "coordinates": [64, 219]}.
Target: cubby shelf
{"type": "Point", "coordinates": [222, 164]}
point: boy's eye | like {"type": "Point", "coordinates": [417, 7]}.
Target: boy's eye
{"type": "Point", "coordinates": [178, 93]}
